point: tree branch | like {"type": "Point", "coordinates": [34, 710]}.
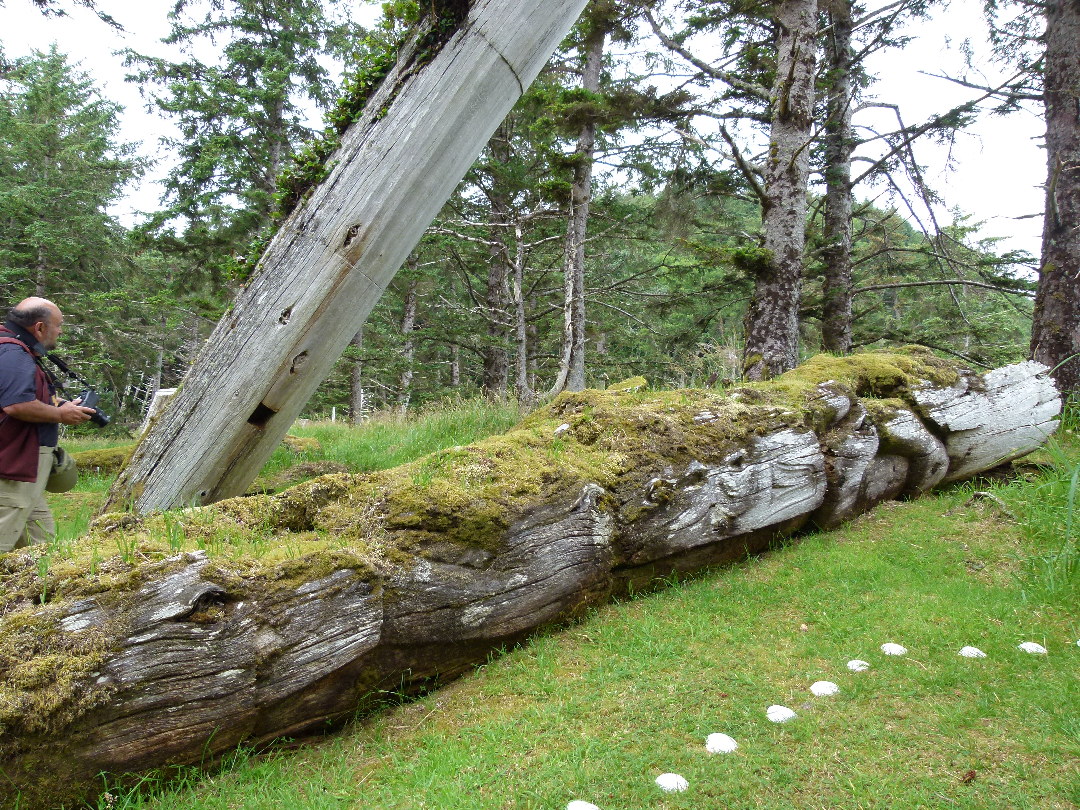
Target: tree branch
{"type": "Point", "coordinates": [727, 77]}
{"type": "Point", "coordinates": [745, 168]}
{"type": "Point", "coordinates": [910, 135]}
{"type": "Point", "coordinates": [994, 92]}
{"type": "Point", "coordinates": [958, 281]}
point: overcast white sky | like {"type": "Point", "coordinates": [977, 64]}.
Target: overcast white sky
{"type": "Point", "coordinates": [995, 172]}
{"type": "Point", "coordinates": [997, 169]}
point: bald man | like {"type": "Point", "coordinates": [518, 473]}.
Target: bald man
{"type": "Point", "coordinates": [29, 422]}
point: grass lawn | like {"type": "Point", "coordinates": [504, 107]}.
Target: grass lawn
{"type": "Point", "coordinates": [596, 711]}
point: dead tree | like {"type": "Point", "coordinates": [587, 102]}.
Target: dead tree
{"type": "Point", "coordinates": [165, 654]}
{"type": "Point", "coordinates": [332, 258]}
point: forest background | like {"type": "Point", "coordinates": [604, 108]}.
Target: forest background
{"type": "Point", "coordinates": [615, 225]}
{"type": "Point", "coordinates": [618, 223]}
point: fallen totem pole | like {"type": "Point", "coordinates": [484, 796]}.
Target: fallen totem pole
{"type": "Point", "coordinates": [199, 635]}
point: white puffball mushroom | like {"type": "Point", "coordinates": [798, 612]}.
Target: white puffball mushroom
{"type": "Point", "coordinates": [780, 714]}
{"type": "Point", "coordinates": [577, 804]}
{"type": "Point", "coordinates": [720, 744]}
{"type": "Point", "coordinates": [561, 429]}
{"type": "Point", "coordinates": [1032, 647]}
{"type": "Point", "coordinates": [858, 665]}
{"type": "Point", "coordinates": [672, 783]}
{"type": "Point", "coordinates": [971, 652]}
{"type": "Point", "coordinates": [824, 688]}
{"type": "Point", "coordinates": [893, 649]}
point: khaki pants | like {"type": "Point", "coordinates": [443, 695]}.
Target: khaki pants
{"type": "Point", "coordinates": [24, 515]}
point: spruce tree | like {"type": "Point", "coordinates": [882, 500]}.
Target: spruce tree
{"type": "Point", "coordinates": [239, 116]}
{"type": "Point", "coordinates": [61, 166]}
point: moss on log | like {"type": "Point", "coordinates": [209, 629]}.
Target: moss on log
{"type": "Point", "coordinates": [167, 638]}
{"type": "Point", "coordinates": [111, 460]}
{"type": "Point", "coordinates": [103, 462]}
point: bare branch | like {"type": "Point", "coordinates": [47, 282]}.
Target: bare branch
{"type": "Point", "coordinates": [958, 281]}
{"type": "Point", "coordinates": [629, 315]}
{"type": "Point", "coordinates": [892, 9]}
{"type": "Point", "coordinates": [747, 170]}
{"type": "Point", "coordinates": [995, 92]}
{"type": "Point", "coordinates": [910, 135]}
{"type": "Point", "coordinates": [727, 77]}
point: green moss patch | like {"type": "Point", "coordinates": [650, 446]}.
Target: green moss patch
{"type": "Point", "coordinates": [105, 461]}
{"type": "Point", "coordinates": [875, 375]}
{"type": "Point", "coordinates": [46, 673]}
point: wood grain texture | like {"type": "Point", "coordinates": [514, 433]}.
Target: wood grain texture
{"type": "Point", "coordinates": [994, 418]}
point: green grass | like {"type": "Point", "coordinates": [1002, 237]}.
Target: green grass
{"type": "Point", "coordinates": [380, 443]}
{"type": "Point", "coordinates": [387, 441]}
{"type": "Point", "coordinates": [1047, 508]}
{"type": "Point", "coordinates": [597, 710]}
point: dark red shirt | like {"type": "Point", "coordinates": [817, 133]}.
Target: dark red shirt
{"type": "Point", "coordinates": [22, 380]}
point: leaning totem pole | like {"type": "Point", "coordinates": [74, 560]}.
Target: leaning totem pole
{"type": "Point", "coordinates": [331, 259]}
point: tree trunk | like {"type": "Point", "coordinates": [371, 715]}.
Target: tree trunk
{"type": "Point", "coordinates": [532, 333]}
{"type": "Point", "coordinates": [772, 321]}
{"type": "Point", "coordinates": [522, 389]}
{"type": "Point", "coordinates": [334, 255]}
{"type": "Point", "coordinates": [357, 398]}
{"type": "Point", "coordinates": [1055, 332]}
{"type": "Point", "coordinates": [408, 346]}
{"type": "Point", "coordinates": [435, 564]}
{"type": "Point", "coordinates": [277, 130]}
{"type": "Point", "coordinates": [159, 367]}
{"type": "Point", "coordinates": [41, 273]}
{"type": "Point", "coordinates": [571, 376]}
{"type": "Point", "coordinates": [839, 144]}
{"type": "Point", "coordinates": [455, 365]}
{"type": "Point", "coordinates": [496, 356]}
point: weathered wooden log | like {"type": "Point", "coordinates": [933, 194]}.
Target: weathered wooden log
{"type": "Point", "coordinates": [329, 263]}
{"type": "Point", "coordinates": [270, 616]}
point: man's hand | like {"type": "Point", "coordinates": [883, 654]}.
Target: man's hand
{"type": "Point", "coordinates": [73, 413]}
{"type": "Point", "coordinates": [66, 413]}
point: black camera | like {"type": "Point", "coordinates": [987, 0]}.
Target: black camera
{"type": "Point", "coordinates": [90, 399]}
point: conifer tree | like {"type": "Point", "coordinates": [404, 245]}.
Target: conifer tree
{"type": "Point", "coordinates": [599, 20]}
{"type": "Point", "coordinates": [1041, 41]}
{"type": "Point", "coordinates": [238, 117]}
{"type": "Point", "coordinates": [61, 165]}
{"type": "Point", "coordinates": [1055, 334]}
{"type": "Point", "coordinates": [57, 8]}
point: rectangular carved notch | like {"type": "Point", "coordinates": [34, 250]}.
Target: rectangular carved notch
{"type": "Point", "coordinates": [261, 415]}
